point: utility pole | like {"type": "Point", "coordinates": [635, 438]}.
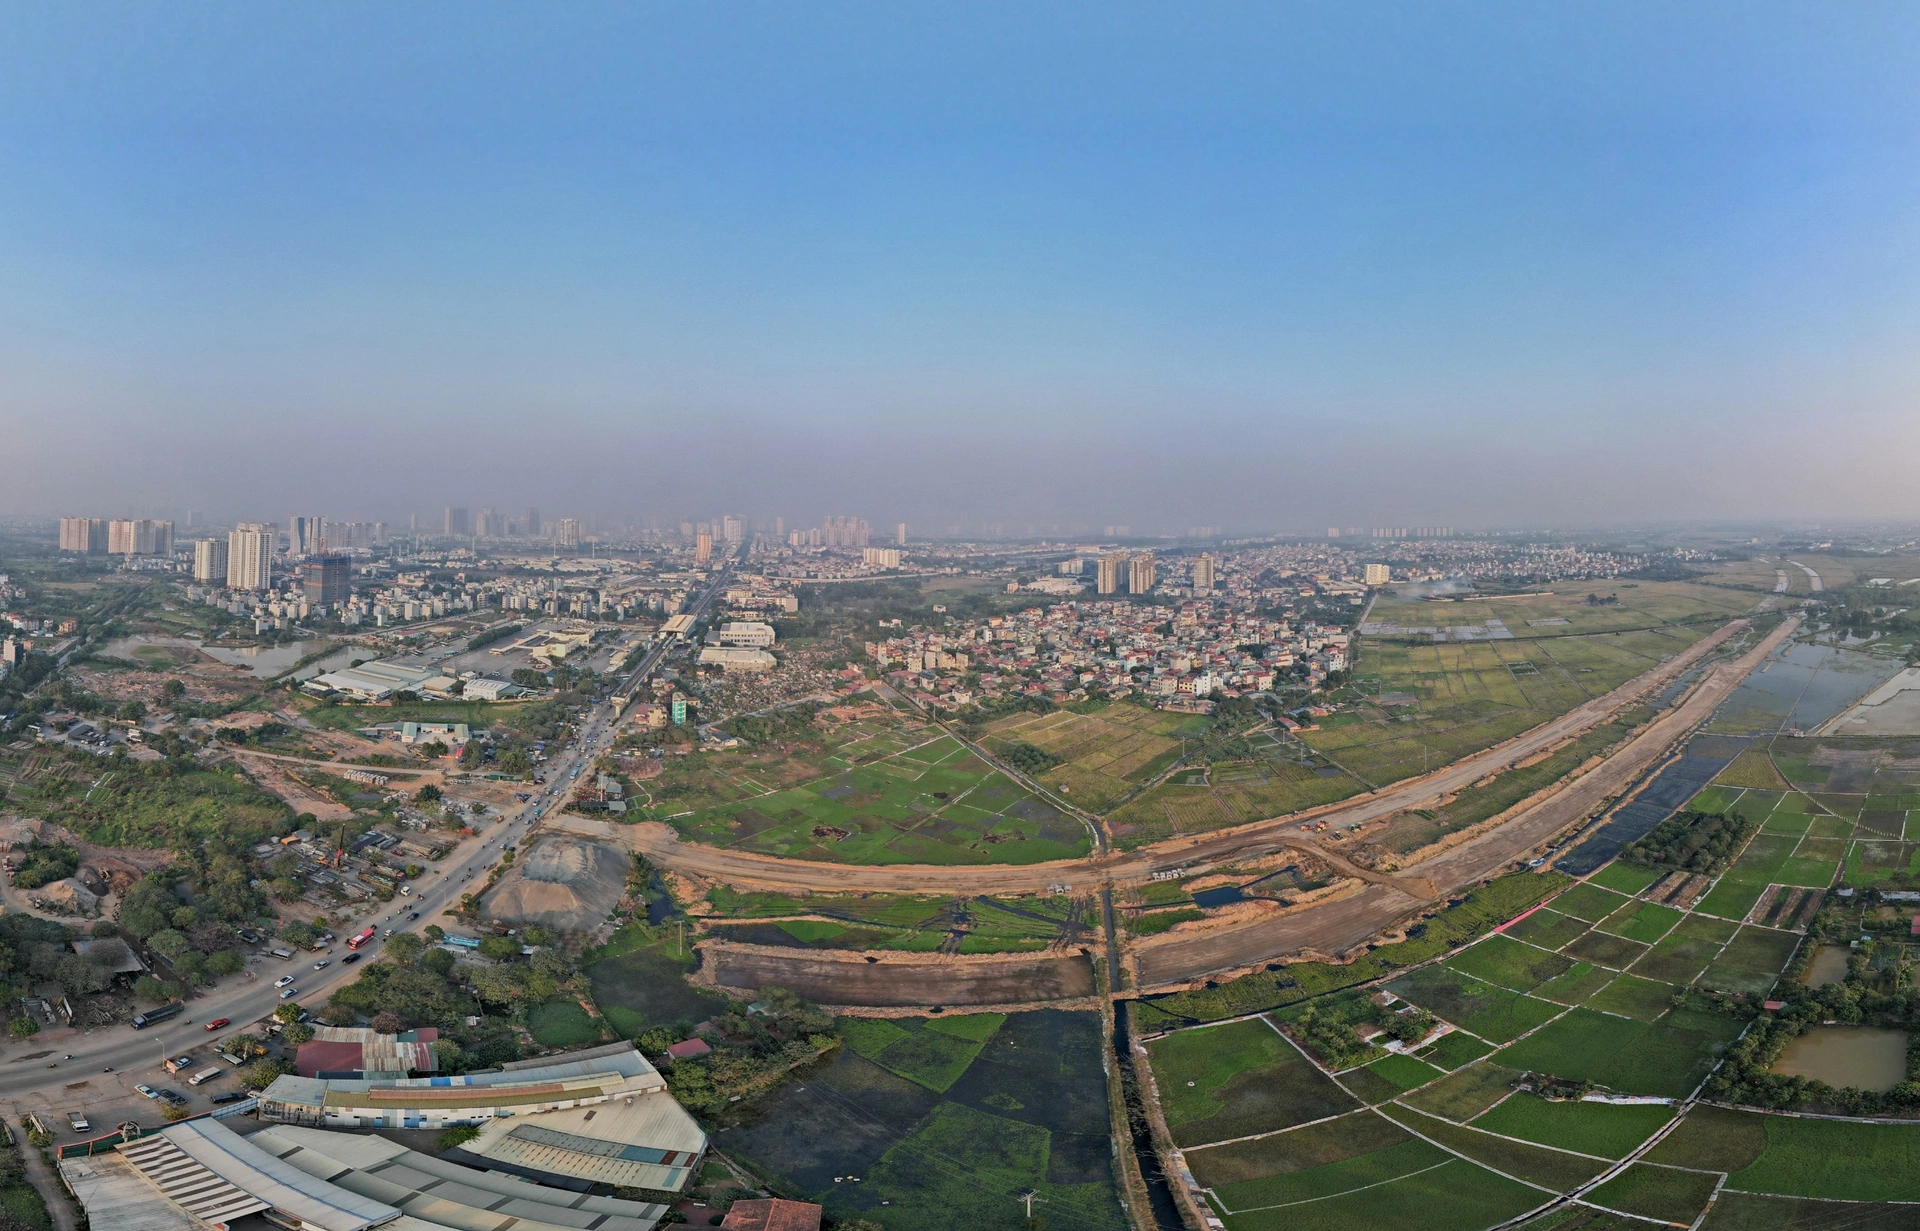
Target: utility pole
{"type": "Point", "coordinates": [1027, 1199]}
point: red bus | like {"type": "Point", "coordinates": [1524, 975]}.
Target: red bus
{"type": "Point", "coordinates": [354, 942]}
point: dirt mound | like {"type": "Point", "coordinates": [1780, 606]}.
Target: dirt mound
{"type": "Point", "coordinates": [563, 883]}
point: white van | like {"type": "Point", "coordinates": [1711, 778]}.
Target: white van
{"type": "Point", "coordinates": [204, 1075]}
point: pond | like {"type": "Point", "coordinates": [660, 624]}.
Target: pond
{"type": "Point", "coordinates": [1801, 686]}
{"type": "Point", "coordinates": [262, 660]}
{"type": "Point", "coordinates": [1869, 1057]}
{"type": "Point", "coordinates": [1829, 966]}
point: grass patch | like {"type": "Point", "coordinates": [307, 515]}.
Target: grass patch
{"type": "Point", "coordinates": [1645, 922]}
{"type": "Point", "coordinates": [1625, 877]}
{"type": "Point", "coordinates": [1493, 1013]}
{"type": "Point", "coordinates": [1453, 1049]}
{"type": "Point", "coordinates": [1861, 1161]}
{"type": "Point", "coordinates": [975, 1027]}
{"type": "Point", "coordinates": [1454, 1196]}
{"type": "Point", "coordinates": [1613, 952]}
{"type": "Point", "coordinates": [1576, 986]}
{"type": "Point", "coordinates": [1713, 1139]}
{"type": "Point", "coordinates": [1238, 1079]}
{"type": "Point", "coordinates": [1548, 929]}
{"type": "Point", "coordinates": [1537, 1164]}
{"type": "Point", "coordinates": [1332, 1141]}
{"type": "Point", "coordinates": [1331, 1179]}
{"type": "Point", "coordinates": [1634, 997]}
{"type": "Point", "coordinates": [1732, 899]}
{"type": "Point", "coordinates": [1509, 964]}
{"type": "Point", "coordinates": [1589, 901]}
{"type": "Point", "coordinates": [1611, 1130]}
{"type": "Point", "coordinates": [1405, 1072]}
{"type": "Point", "coordinates": [1677, 959]}
{"type": "Point", "coordinates": [562, 1023]}
{"type": "Point", "coordinates": [1465, 1094]}
{"type": "Point", "coordinates": [1656, 1192]}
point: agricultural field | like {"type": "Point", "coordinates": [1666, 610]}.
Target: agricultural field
{"type": "Point", "coordinates": [944, 1123]}
{"type": "Point", "coordinates": [881, 793]}
{"type": "Point", "coordinates": [1104, 755]}
{"type": "Point", "coordinates": [1451, 699]}
{"type": "Point", "coordinates": [1281, 776]}
{"type": "Point", "coordinates": [1600, 985]}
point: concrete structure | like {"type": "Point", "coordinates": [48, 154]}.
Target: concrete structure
{"type": "Point", "coordinates": [703, 546]}
{"type": "Point", "coordinates": [748, 633]}
{"type": "Point", "coordinates": [1141, 574]}
{"type": "Point", "coordinates": [883, 557]}
{"type": "Point", "coordinates": [327, 580]}
{"type": "Point", "coordinates": [457, 524]}
{"type": "Point", "coordinates": [250, 556]}
{"type": "Point", "coordinates": [737, 659]}
{"type": "Point", "coordinates": [305, 534]}
{"type": "Point", "coordinates": [1107, 578]}
{"type": "Point", "coordinates": [486, 688]}
{"type": "Point", "coordinates": [210, 561]}
{"type": "Point", "coordinates": [900, 534]}
{"type": "Point", "coordinates": [85, 535]}
{"type": "Point", "coordinates": [568, 532]}
{"type": "Point", "coordinates": [1377, 575]}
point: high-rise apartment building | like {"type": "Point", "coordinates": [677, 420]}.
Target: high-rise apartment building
{"type": "Point", "coordinates": [779, 527]}
{"type": "Point", "coordinates": [533, 523]}
{"type": "Point", "coordinates": [569, 532]}
{"type": "Point", "coordinates": [885, 557]}
{"type": "Point", "coordinates": [250, 556]}
{"type": "Point", "coordinates": [703, 544]}
{"type": "Point", "coordinates": [326, 580]}
{"type": "Point", "coordinates": [1141, 574]}
{"type": "Point", "coordinates": [139, 537]}
{"type": "Point", "coordinates": [1110, 572]}
{"type": "Point", "coordinates": [900, 535]}
{"type": "Point", "coordinates": [458, 524]}
{"type": "Point", "coordinates": [488, 524]}
{"type": "Point", "coordinates": [306, 535]}
{"type": "Point", "coordinates": [1203, 573]}
{"type": "Point", "coordinates": [86, 535]}
{"type": "Point", "coordinates": [732, 529]}
{"type": "Point", "coordinates": [1378, 575]}
{"type": "Point", "coordinates": [210, 561]}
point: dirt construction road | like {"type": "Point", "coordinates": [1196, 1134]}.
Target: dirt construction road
{"type": "Point", "coordinates": [660, 844]}
{"type": "Point", "coordinates": [1346, 922]}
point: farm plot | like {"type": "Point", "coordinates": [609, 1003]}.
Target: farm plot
{"type": "Point", "coordinates": [1104, 755]}
{"type": "Point", "coordinates": [1548, 1168]}
{"type": "Point", "coordinates": [1493, 1013]}
{"type": "Point", "coordinates": [1238, 1079]}
{"type": "Point", "coordinates": [1510, 964]}
{"type": "Point", "coordinates": [1752, 961]}
{"type": "Point", "coordinates": [1610, 1130]}
{"type": "Point", "coordinates": [1665, 1194]}
{"type": "Point", "coordinates": [1668, 1056]}
{"type": "Point", "coordinates": [933, 803]}
{"type": "Point", "coordinates": [1450, 1193]}
{"type": "Point", "coordinates": [1029, 1113]}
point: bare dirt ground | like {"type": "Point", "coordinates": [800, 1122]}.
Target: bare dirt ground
{"type": "Point", "coordinates": [1341, 925]}
{"type": "Point", "coordinates": [272, 774]}
{"type": "Point", "coordinates": [849, 980]}
{"type": "Point", "coordinates": [660, 844]}
{"type": "Point", "coordinates": [562, 883]}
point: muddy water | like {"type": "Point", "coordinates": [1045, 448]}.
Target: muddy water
{"type": "Point", "coordinates": [1829, 966]}
{"type": "Point", "coordinates": [1869, 1057]}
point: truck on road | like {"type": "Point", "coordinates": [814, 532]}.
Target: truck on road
{"type": "Point", "coordinates": [142, 1020]}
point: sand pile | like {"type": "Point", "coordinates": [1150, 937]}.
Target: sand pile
{"type": "Point", "coordinates": [564, 883]}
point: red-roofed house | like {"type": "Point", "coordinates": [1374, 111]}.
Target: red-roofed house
{"type": "Point", "coordinates": [691, 1049]}
{"type": "Point", "coordinates": [348, 1052]}
{"type": "Point", "coordinates": [772, 1215]}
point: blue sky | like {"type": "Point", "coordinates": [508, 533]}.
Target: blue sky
{"type": "Point", "coordinates": [1271, 266]}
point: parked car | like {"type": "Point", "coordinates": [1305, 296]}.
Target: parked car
{"type": "Point", "coordinates": [147, 1090]}
{"type": "Point", "coordinates": [231, 1096]}
{"type": "Point", "coordinates": [218, 1022]}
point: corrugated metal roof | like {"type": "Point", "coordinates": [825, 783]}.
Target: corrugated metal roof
{"type": "Point", "coordinates": [648, 1141]}
{"type": "Point", "coordinates": [216, 1175]}
{"type": "Point", "coordinates": [118, 1198]}
{"type": "Point", "coordinates": [448, 1194]}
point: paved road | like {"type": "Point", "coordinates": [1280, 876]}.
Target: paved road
{"type": "Point", "coordinates": [659, 843]}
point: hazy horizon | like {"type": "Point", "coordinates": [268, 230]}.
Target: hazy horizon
{"type": "Point", "coordinates": [1466, 265]}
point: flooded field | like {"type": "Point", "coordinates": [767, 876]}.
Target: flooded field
{"type": "Point", "coordinates": [1829, 966]}
{"type": "Point", "coordinates": [263, 660]}
{"type": "Point", "coordinates": [1800, 688]}
{"type": "Point", "coordinates": [1028, 1112]}
{"type": "Point", "coordinates": [1869, 1057]}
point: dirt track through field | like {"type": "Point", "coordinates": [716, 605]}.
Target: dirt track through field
{"type": "Point", "coordinates": [1349, 921]}
{"type": "Point", "coordinates": [849, 980]}
{"type": "Point", "coordinates": [660, 844]}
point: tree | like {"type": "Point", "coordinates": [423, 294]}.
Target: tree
{"type": "Point", "coordinates": [435, 933]}
{"type": "Point", "coordinates": [388, 1022]}
{"type": "Point", "coordinates": [262, 1073]}
{"type": "Point", "coordinates": [433, 750]}
{"type": "Point", "coordinates": [146, 987]}
{"type": "Point", "coordinates": [170, 944]}
{"type": "Point", "coordinates": [499, 948]}
{"type": "Point", "coordinates": [133, 711]}
{"type": "Point", "coordinates": [148, 907]}
{"type": "Point", "coordinates": [288, 1013]}
{"type": "Point", "coordinates": [23, 1027]}
{"type": "Point", "coordinates": [403, 948]}
{"type": "Point", "coordinates": [298, 1033]}
{"type": "Point", "coordinates": [226, 962]}
{"type": "Point", "coordinates": [172, 691]}
{"type": "Point", "coordinates": [458, 1135]}
{"type": "Point", "coordinates": [437, 961]}
{"type": "Point", "coordinates": [427, 793]}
